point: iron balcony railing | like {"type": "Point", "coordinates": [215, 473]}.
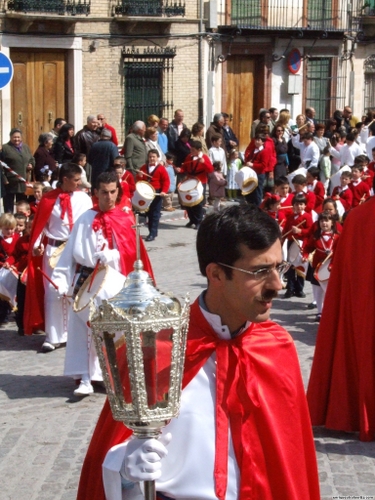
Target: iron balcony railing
{"type": "Point", "coordinates": [61, 7]}
{"type": "Point", "coordinates": [155, 8]}
{"type": "Point", "coordinates": [368, 8]}
{"type": "Point", "coordinates": [294, 14]}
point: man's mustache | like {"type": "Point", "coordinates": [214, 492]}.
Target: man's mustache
{"type": "Point", "coordinates": [269, 295]}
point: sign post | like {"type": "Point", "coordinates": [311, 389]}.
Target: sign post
{"type": "Point", "coordinates": [6, 70]}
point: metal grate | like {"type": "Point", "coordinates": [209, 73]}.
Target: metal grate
{"type": "Point", "coordinates": [369, 93]}
{"type": "Point", "coordinates": [61, 7]}
{"type": "Point", "coordinates": [156, 8]}
{"type": "Point", "coordinates": [148, 83]}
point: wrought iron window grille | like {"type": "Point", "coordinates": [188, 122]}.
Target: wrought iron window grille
{"type": "Point", "coordinates": [61, 7]}
{"type": "Point", "coordinates": [148, 76]}
{"type": "Point", "coordinates": [153, 8]}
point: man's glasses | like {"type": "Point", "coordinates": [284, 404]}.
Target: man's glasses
{"type": "Point", "coordinates": [264, 272]}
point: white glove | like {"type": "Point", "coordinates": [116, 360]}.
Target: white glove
{"type": "Point", "coordinates": [106, 256]}
{"type": "Point", "coordinates": [142, 460]}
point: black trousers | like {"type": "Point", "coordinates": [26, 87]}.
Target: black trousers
{"type": "Point", "coordinates": [8, 201]}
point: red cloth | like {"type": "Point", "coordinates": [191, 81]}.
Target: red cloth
{"type": "Point", "coordinates": [33, 207]}
{"type": "Point", "coordinates": [294, 220]}
{"type": "Point", "coordinates": [199, 168]}
{"type": "Point", "coordinates": [7, 248]}
{"type": "Point", "coordinates": [368, 177]}
{"type": "Point", "coordinates": [260, 393]}
{"type": "Point", "coordinates": [360, 192]}
{"type": "Point", "coordinates": [128, 178]}
{"type": "Point", "coordinates": [287, 203]}
{"type": "Point", "coordinates": [342, 381]}
{"type": "Point", "coordinates": [265, 160]}
{"type": "Point", "coordinates": [321, 248]}
{"type": "Point", "coordinates": [159, 178]}
{"type": "Point", "coordinates": [346, 197]}
{"type": "Point", "coordinates": [18, 257]}
{"type": "Point", "coordinates": [34, 305]}
{"type": "Point", "coordinates": [66, 208]}
{"type": "Point", "coordinates": [114, 135]}
{"type": "Point", "coordinates": [117, 225]}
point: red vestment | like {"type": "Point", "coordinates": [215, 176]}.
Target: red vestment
{"type": "Point", "coordinates": [342, 381]}
{"type": "Point", "coordinates": [360, 192]}
{"type": "Point", "coordinates": [260, 393]}
{"type": "Point", "coordinates": [263, 161]}
{"type": "Point", "coordinates": [346, 197]}
{"type": "Point", "coordinates": [320, 193]}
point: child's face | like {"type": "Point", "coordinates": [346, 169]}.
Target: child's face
{"type": "Point", "coordinates": [283, 190]}
{"type": "Point", "coordinates": [119, 172]}
{"type": "Point", "coordinates": [217, 143]}
{"type": "Point", "coordinates": [299, 207]}
{"type": "Point", "coordinates": [234, 155]}
{"type": "Point", "coordinates": [298, 188]}
{"type": "Point", "coordinates": [274, 207]}
{"type": "Point", "coordinates": [22, 209]}
{"type": "Point", "coordinates": [169, 161]}
{"type": "Point", "coordinates": [38, 193]}
{"type": "Point", "coordinates": [329, 207]}
{"type": "Point", "coordinates": [258, 143]}
{"type": "Point", "coordinates": [344, 181]}
{"type": "Point", "coordinates": [20, 227]}
{"type": "Point", "coordinates": [325, 225]}
{"type": "Point", "coordinates": [310, 178]}
{"type": "Point", "coordinates": [356, 174]}
{"type": "Point", "coordinates": [153, 158]}
{"type": "Point", "coordinates": [8, 231]}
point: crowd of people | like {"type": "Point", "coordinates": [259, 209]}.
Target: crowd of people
{"type": "Point", "coordinates": [77, 220]}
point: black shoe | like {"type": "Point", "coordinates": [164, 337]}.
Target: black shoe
{"type": "Point", "coordinates": [312, 305]}
{"type": "Point", "coordinates": [189, 224]}
{"type": "Point", "coordinates": [150, 238]}
{"type": "Point", "coordinates": [317, 317]}
{"type": "Point", "coordinates": [300, 295]}
{"type": "Point", "coordinates": [197, 226]}
{"type": "Point", "coordinates": [288, 294]}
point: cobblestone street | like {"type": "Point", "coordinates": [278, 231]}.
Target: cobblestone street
{"type": "Point", "coordinates": [45, 430]}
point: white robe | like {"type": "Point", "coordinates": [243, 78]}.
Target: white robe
{"type": "Point", "coordinates": [184, 474]}
{"type": "Point", "coordinates": [56, 310]}
{"type": "Point", "coordinates": [81, 358]}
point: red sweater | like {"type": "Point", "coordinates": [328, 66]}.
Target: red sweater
{"type": "Point", "coordinates": [6, 247]}
{"type": "Point", "coordinates": [18, 258]}
{"type": "Point", "coordinates": [264, 160]}
{"type": "Point", "coordinates": [346, 197]}
{"type": "Point", "coordinates": [368, 177]}
{"type": "Point", "coordinates": [159, 178]}
{"type": "Point", "coordinates": [321, 247]}
{"type": "Point", "coordinates": [129, 180]}
{"type": "Point", "coordinates": [360, 192]}
{"type": "Point", "coordinates": [199, 168]}
{"type": "Point", "coordinates": [320, 193]}
{"type": "Point", "coordinates": [294, 220]}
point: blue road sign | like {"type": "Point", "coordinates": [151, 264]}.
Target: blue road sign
{"type": "Point", "coordinates": [6, 70]}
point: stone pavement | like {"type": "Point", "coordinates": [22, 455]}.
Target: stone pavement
{"type": "Point", "coordinates": [45, 430]}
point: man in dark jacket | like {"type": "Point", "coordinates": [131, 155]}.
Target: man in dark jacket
{"type": "Point", "coordinates": [85, 138]}
{"type": "Point", "coordinates": [174, 130]}
{"type": "Point", "coordinates": [102, 155]}
{"type": "Point", "coordinates": [215, 128]}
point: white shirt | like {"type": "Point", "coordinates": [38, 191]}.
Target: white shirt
{"type": "Point", "coordinates": [218, 154]}
{"type": "Point", "coordinates": [309, 153]}
{"type": "Point", "coordinates": [347, 154]}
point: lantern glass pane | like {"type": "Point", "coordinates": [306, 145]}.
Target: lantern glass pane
{"type": "Point", "coordinates": [157, 359]}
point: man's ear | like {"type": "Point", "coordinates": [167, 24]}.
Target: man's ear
{"type": "Point", "coordinates": [215, 274]}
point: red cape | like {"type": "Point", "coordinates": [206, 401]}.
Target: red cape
{"type": "Point", "coordinates": [34, 305]}
{"type": "Point", "coordinates": [342, 381]}
{"type": "Point", "coordinates": [273, 438]}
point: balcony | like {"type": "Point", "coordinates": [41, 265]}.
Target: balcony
{"type": "Point", "coordinates": [295, 15]}
{"type": "Point", "coordinates": [150, 8]}
{"type": "Point", "coordinates": [60, 7]}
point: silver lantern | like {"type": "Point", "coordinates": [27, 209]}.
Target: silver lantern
{"type": "Point", "coordinates": [140, 337]}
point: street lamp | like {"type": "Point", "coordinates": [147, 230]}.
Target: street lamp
{"type": "Point", "coordinates": [140, 337]}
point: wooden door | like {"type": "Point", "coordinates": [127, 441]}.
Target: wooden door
{"type": "Point", "coordinates": [238, 96]}
{"type": "Point", "coordinates": [38, 92]}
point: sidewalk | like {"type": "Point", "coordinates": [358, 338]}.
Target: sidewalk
{"type": "Point", "coordinates": [45, 430]}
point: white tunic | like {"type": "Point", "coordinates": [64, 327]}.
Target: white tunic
{"type": "Point", "coordinates": [81, 357]}
{"type": "Point", "coordinates": [185, 476]}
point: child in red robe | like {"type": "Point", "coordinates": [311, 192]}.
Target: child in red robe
{"type": "Point", "coordinates": [359, 188]}
{"type": "Point", "coordinates": [8, 240]}
{"type": "Point", "coordinates": [315, 186]}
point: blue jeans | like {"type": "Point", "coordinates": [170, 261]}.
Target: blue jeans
{"type": "Point", "coordinates": [153, 215]}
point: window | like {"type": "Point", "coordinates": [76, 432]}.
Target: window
{"type": "Point", "coordinates": [319, 14]}
{"type": "Point", "coordinates": [246, 13]}
{"type": "Point", "coordinates": [369, 69]}
{"type": "Point", "coordinates": [148, 83]}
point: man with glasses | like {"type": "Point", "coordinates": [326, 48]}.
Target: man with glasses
{"type": "Point", "coordinates": [103, 124]}
{"type": "Point", "coordinates": [243, 429]}
{"type": "Point", "coordinates": [265, 119]}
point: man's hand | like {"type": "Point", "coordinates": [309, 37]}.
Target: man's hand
{"type": "Point", "coordinates": [143, 456]}
{"type": "Point", "coordinates": [38, 251]}
{"type": "Point", "coordinates": [106, 256]}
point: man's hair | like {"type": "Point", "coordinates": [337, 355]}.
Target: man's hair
{"type": "Point", "coordinates": [262, 114]}
{"type": "Point", "coordinates": [91, 118]}
{"type": "Point", "coordinates": [224, 115]}
{"type": "Point", "coordinates": [221, 235]}
{"type": "Point", "coordinates": [271, 110]}
{"type": "Point", "coordinates": [138, 125]}
{"type": "Point", "coordinates": [217, 117]}
{"type": "Point", "coordinates": [106, 178]}
{"type": "Point", "coordinates": [299, 179]}
{"type": "Point", "coordinates": [58, 121]}
{"type": "Point", "coordinates": [69, 170]}
{"type": "Point", "coordinates": [106, 133]}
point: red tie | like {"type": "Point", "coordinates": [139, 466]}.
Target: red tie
{"type": "Point", "coordinates": [101, 221]}
{"type": "Point", "coordinates": [66, 207]}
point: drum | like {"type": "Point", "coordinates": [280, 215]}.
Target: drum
{"type": "Point", "coordinates": [191, 192]}
{"type": "Point", "coordinates": [107, 283]}
{"type": "Point", "coordinates": [322, 272]}
{"type": "Point", "coordinates": [295, 258]}
{"type": "Point", "coordinates": [54, 259]}
{"type": "Point", "coordinates": [143, 196]}
{"type": "Point", "coordinates": [247, 180]}
{"type": "Point", "coordinates": [334, 181]}
{"type": "Point", "coordinates": [8, 285]}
